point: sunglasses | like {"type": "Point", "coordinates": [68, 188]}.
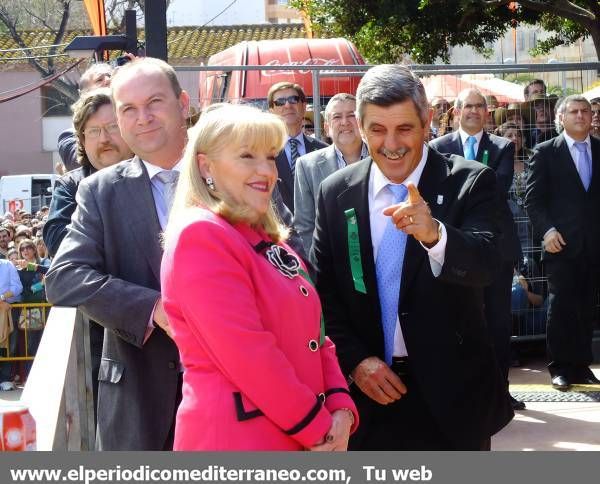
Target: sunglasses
{"type": "Point", "coordinates": [280, 101]}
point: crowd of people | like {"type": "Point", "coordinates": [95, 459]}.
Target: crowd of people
{"type": "Point", "coordinates": [24, 261]}
{"type": "Point", "coordinates": [361, 270]}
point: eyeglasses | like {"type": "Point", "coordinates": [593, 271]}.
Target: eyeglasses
{"type": "Point", "coordinates": [93, 133]}
{"type": "Point", "coordinates": [308, 126]}
{"type": "Point", "coordinates": [280, 101]}
{"type": "Point", "coordinates": [475, 106]}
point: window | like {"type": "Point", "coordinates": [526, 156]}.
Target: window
{"type": "Point", "coordinates": [54, 103]}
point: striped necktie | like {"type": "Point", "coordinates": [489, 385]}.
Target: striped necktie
{"type": "Point", "coordinates": [294, 152]}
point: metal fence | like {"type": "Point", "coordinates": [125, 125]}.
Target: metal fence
{"type": "Point", "coordinates": [503, 85]}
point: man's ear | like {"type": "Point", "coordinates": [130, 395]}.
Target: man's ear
{"type": "Point", "coordinates": [184, 104]}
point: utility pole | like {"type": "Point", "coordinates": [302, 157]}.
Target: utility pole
{"type": "Point", "coordinates": [155, 23]}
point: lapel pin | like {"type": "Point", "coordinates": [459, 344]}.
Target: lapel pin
{"type": "Point", "coordinates": [440, 199]}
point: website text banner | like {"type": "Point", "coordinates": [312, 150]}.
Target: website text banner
{"type": "Point", "coordinates": [322, 468]}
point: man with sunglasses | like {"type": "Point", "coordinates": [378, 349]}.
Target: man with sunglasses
{"type": "Point", "coordinates": [288, 101]}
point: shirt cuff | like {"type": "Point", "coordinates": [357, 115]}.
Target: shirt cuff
{"type": "Point", "coordinates": [150, 327]}
{"type": "Point", "coordinates": [437, 253]}
{"type": "Point", "coordinates": [551, 229]}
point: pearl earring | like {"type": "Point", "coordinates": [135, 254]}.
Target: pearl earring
{"type": "Point", "coordinates": [210, 183]}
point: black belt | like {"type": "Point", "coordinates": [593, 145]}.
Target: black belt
{"type": "Point", "coordinates": [400, 366]}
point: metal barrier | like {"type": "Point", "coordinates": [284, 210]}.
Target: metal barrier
{"type": "Point", "coordinates": [31, 320]}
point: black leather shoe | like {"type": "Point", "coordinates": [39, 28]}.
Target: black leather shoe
{"type": "Point", "coordinates": [561, 383]}
{"type": "Point", "coordinates": [586, 377]}
{"type": "Point", "coordinates": [516, 404]}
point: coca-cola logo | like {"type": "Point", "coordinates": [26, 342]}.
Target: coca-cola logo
{"type": "Point", "coordinates": [314, 61]}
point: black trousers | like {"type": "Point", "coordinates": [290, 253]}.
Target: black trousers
{"type": "Point", "coordinates": [572, 285]}
{"type": "Point", "coordinates": [404, 425]}
{"type": "Point", "coordinates": [497, 299]}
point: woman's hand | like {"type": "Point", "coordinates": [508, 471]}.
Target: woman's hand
{"type": "Point", "coordinates": [336, 438]}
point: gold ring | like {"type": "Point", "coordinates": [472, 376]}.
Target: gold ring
{"type": "Point", "coordinates": [411, 219]}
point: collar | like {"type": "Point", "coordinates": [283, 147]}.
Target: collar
{"type": "Point", "coordinates": [464, 135]}
{"type": "Point", "coordinates": [570, 141]}
{"type": "Point", "coordinates": [299, 137]}
{"type": "Point", "coordinates": [364, 152]}
{"type": "Point", "coordinates": [153, 169]}
{"type": "Point", "coordinates": [378, 181]}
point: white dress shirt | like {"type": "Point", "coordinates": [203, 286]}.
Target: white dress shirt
{"type": "Point", "coordinates": [463, 138]}
{"type": "Point", "coordinates": [380, 199]}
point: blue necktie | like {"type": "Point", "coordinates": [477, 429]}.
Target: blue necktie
{"type": "Point", "coordinates": [294, 152]}
{"type": "Point", "coordinates": [388, 268]}
{"type": "Point", "coordinates": [584, 164]}
{"type": "Point", "coordinates": [470, 144]}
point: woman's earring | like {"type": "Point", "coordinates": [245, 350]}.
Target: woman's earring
{"type": "Point", "coordinates": [210, 183]}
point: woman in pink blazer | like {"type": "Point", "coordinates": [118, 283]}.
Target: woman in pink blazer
{"type": "Point", "coordinates": [259, 372]}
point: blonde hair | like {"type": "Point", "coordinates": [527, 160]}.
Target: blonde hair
{"type": "Point", "coordinates": [227, 125]}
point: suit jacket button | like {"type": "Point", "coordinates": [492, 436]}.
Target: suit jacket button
{"type": "Point", "coordinates": [313, 345]}
{"type": "Point", "coordinates": [304, 291]}
{"type": "Point", "coordinates": [172, 365]}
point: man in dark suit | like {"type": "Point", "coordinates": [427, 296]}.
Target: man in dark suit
{"type": "Point", "coordinates": [563, 202]}
{"type": "Point", "coordinates": [312, 168]}
{"type": "Point", "coordinates": [109, 262]}
{"type": "Point", "coordinates": [288, 101]}
{"type": "Point", "coordinates": [472, 142]}
{"type": "Point", "coordinates": [99, 145]}
{"type": "Point", "coordinates": [401, 278]}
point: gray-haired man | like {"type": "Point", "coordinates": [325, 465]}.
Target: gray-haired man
{"type": "Point", "coordinates": [400, 271]}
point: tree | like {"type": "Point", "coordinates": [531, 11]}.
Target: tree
{"type": "Point", "coordinates": [52, 15]}
{"type": "Point", "coordinates": [424, 30]}
{"type": "Point", "coordinates": [56, 16]}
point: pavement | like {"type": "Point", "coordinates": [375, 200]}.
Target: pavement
{"type": "Point", "coordinates": [541, 426]}
{"type": "Point", "coordinates": [549, 425]}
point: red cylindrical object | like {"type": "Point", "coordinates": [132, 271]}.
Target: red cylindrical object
{"type": "Point", "coordinates": [17, 429]}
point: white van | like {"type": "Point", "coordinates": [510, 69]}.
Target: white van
{"type": "Point", "coordinates": [27, 192]}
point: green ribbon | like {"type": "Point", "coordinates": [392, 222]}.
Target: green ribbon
{"type": "Point", "coordinates": [304, 274]}
{"type": "Point", "coordinates": [486, 156]}
{"type": "Point", "coordinates": [354, 251]}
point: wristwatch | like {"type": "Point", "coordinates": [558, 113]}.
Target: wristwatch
{"type": "Point", "coordinates": [2, 298]}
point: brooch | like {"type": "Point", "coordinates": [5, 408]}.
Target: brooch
{"type": "Point", "coordinates": [286, 263]}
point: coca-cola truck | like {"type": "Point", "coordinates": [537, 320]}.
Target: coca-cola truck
{"type": "Point", "coordinates": [251, 86]}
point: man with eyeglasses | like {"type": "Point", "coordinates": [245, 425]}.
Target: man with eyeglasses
{"type": "Point", "coordinates": [473, 143]}
{"type": "Point", "coordinates": [96, 76]}
{"type": "Point", "coordinates": [99, 145]}
{"type": "Point", "coordinates": [288, 101]}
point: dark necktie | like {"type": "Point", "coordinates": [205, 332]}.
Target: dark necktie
{"type": "Point", "coordinates": [294, 153]}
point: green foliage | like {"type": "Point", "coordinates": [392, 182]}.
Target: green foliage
{"type": "Point", "coordinates": [423, 30]}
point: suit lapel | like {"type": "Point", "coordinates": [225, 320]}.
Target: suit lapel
{"type": "Point", "coordinates": [430, 187]}
{"type": "Point", "coordinates": [484, 144]}
{"type": "Point", "coordinates": [283, 168]}
{"type": "Point", "coordinates": [327, 163]}
{"type": "Point", "coordinates": [356, 196]}
{"type": "Point", "coordinates": [142, 220]}
{"type": "Point", "coordinates": [595, 163]}
{"type": "Point", "coordinates": [569, 167]}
